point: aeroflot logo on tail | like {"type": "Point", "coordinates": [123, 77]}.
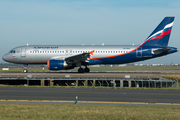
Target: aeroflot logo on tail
{"type": "Point", "coordinates": [45, 47]}
{"type": "Point", "coordinates": [161, 33]}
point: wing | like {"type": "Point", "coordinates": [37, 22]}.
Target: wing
{"type": "Point", "coordinates": [80, 57]}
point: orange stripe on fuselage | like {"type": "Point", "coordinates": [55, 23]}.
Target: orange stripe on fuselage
{"type": "Point", "coordinates": [114, 55]}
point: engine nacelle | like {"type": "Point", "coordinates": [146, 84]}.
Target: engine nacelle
{"type": "Point", "coordinates": [57, 64]}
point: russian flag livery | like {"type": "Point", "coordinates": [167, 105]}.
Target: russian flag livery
{"type": "Point", "coordinates": [160, 36]}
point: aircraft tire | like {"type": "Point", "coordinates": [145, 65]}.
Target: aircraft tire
{"type": "Point", "coordinates": [86, 70]}
{"type": "Point", "coordinates": [25, 71]}
{"type": "Point", "coordinates": [80, 70]}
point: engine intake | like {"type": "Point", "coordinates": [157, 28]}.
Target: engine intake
{"type": "Point", "coordinates": [57, 64]}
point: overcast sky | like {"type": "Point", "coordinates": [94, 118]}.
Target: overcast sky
{"type": "Point", "coordinates": [77, 22]}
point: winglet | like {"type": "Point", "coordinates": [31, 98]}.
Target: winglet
{"type": "Point", "coordinates": [91, 52]}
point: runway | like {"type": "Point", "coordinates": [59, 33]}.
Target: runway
{"type": "Point", "coordinates": [91, 96]}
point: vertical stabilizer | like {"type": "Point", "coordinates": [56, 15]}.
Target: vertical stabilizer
{"type": "Point", "coordinates": [160, 36]}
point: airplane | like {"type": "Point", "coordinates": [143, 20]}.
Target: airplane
{"type": "Point", "coordinates": [59, 57]}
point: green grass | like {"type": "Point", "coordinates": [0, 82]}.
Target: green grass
{"type": "Point", "coordinates": [17, 111]}
{"type": "Point", "coordinates": [134, 68]}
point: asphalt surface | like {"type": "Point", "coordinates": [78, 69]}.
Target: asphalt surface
{"type": "Point", "coordinates": [80, 75]}
{"type": "Point", "coordinates": [97, 74]}
{"type": "Point", "coordinates": [93, 96]}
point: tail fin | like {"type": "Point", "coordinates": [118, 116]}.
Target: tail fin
{"type": "Point", "coordinates": [160, 36]}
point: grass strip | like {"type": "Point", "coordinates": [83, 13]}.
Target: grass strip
{"type": "Point", "coordinates": [18, 111]}
{"type": "Point", "coordinates": [172, 77]}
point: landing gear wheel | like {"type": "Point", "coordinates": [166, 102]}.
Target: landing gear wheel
{"type": "Point", "coordinates": [86, 70]}
{"type": "Point", "coordinates": [80, 70]}
{"type": "Point", "coordinates": [25, 71]}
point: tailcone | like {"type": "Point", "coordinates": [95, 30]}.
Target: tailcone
{"type": "Point", "coordinates": [173, 50]}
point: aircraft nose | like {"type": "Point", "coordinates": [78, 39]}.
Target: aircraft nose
{"type": "Point", "coordinates": [4, 57]}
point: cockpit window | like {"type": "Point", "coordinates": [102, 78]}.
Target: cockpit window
{"type": "Point", "coordinates": [12, 51]}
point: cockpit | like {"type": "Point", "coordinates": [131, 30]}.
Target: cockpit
{"type": "Point", "coordinates": [12, 51]}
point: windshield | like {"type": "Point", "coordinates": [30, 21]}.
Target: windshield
{"type": "Point", "coordinates": [12, 51]}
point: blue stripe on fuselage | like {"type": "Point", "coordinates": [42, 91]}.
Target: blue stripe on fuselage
{"type": "Point", "coordinates": [130, 57]}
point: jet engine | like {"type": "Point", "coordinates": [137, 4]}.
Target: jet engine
{"type": "Point", "coordinates": [58, 65]}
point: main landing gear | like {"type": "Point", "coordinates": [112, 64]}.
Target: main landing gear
{"type": "Point", "coordinates": [85, 70]}
{"type": "Point", "coordinates": [25, 68]}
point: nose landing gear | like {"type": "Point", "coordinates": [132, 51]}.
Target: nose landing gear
{"type": "Point", "coordinates": [25, 68]}
{"type": "Point", "coordinates": [25, 71]}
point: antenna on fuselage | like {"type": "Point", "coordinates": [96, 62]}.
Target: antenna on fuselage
{"type": "Point", "coordinates": [27, 44]}
{"type": "Point", "coordinates": [103, 44]}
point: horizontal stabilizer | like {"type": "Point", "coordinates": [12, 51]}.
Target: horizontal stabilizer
{"type": "Point", "coordinates": [159, 51]}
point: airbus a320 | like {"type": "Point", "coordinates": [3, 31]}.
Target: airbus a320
{"type": "Point", "coordinates": [59, 57]}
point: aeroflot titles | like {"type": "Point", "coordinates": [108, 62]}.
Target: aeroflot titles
{"type": "Point", "coordinates": [56, 48]}
{"type": "Point", "coordinates": [45, 47]}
